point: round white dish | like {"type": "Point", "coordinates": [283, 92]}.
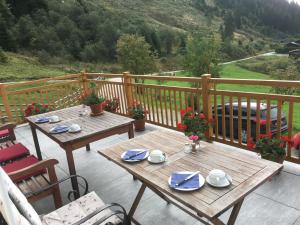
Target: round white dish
{"type": "Point", "coordinates": [201, 182]}
{"type": "Point", "coordinates": [157, 162]}
{"type": "Point", "coordinates": [135, 160]}
{"type": "Point", "coordinates": [227, 182]}
{"type": "Point", "coordinates": [74, 131]}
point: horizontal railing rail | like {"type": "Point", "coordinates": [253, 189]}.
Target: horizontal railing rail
{"type": "Point", "coordinates": [237, 115]}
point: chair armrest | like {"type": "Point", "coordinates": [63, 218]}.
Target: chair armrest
{"type": "Point", "coordinates": [44, 164]}
{"type": "Point", "coordinates": [86, 186]}
{"type": "Point", "coordinates": [10, 127]}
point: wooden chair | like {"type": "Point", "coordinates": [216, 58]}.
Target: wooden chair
{"type": "Point", "coordinates": [26, 170]}
{"type": "Point", "coordinates": [10, 149]}
{"type": "Point", "coordinates": [89, 209]}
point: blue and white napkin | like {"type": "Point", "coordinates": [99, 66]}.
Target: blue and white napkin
{"type": "Point", "coordinates": [191, 183]}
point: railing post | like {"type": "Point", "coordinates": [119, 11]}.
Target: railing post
{"type": "Point", "coordinates": [128, 89]}
{"type": "Point", "coordinates": [84, 81]}
{"type": "Point", "coordinates": [206, 102]}
{"type": "Point", "coordinates": [5, 101]}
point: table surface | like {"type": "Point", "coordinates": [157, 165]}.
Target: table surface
{"type": "Point", "coordinates": [89, 125]}
{"type": "Point", "coordinates": [247, 172]}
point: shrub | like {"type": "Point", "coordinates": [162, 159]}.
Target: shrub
{"type": "Point", "coordinates": [3, 57]}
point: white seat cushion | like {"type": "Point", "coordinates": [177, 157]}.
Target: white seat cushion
{"type": "Point", "coordinates": [77, 210]}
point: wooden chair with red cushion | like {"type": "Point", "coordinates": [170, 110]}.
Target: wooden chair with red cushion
{"type": "Point", "coordinates": [26, 171]}
{"type": "Point", "coordinates": [10, 149]}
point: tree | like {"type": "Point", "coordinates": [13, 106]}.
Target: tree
{"type": "Point", "coordinates": [202, 55]}
{"type": "Point", "coordinates": [134, 54]}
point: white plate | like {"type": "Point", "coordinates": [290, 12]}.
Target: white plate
{"type": "Point", "coordinates": [201, 182]}
{"type": "Point", "coordinates": [137, 150]}
{"type": "Point", "coordinates": [154, 162]}
{"type": "Point", "coordinates": [225, 184]}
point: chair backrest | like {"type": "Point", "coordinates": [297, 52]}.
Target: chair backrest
{"type": "Point", "coordinates": [14, 206]}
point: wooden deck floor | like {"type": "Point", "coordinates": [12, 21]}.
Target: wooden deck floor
{"type": "Point", "coordinates": [274, 203]}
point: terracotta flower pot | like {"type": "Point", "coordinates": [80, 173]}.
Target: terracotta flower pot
{"type": "Point", "coordinates": [96, 109]}
{"type": "Point", "coordinates": [139, 124]}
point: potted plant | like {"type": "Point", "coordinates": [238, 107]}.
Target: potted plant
{"type": "Point", "coordinates": [95, 102]}
{"type": "Point", "coordinates": [137, 112]}
{"type": "Point", "coordinates": [271, 148]}
{"type": "Point", "coordinates": [112, 104]}
{"type": "Point", "coordinates": [194, 125]}
{"type": "Point", "coordinates": [36, 108]}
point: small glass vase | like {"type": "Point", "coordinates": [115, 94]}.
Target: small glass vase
{"type": "Point", "coordinates": [195, 146]}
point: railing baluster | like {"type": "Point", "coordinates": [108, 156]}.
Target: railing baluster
{"type": "Point", "coordinates": [249, 133]}
{"type": "Point", "coordinates": [152, 104]}
{"type": "Point", "coordinates": [239, 122]}
{"type": "Point", "coordinates": [223, 118]}
{"type": "Point", "coordinates": [161, 107]}
{"type": "Point", "coordinates": [231, 118]}
{"type": "Point", "coordinates": [175, 105]}
{"type": "Point", "coordinates": [171, 108]}
{"type": "Point", "coordinates": [216, 119]}
{"type": "Point", "coordinates": [258, 115]}
{"type": "Point", "coordinates": [290, 125]}
{"type": "Point", "coordinates": [165, 103]}
{"type": "Point", "coordinates": [268, 117]}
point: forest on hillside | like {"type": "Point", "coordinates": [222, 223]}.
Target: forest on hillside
{"type": "Point", "coordinates": [57, 30]}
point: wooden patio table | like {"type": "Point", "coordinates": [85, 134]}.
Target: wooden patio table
{"type": "Point", "coordinates": [207, 203]}
{"type": "Point", "coordinates": [93, 129]}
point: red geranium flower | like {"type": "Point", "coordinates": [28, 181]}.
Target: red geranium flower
{"type": "Point", "coordinates": [250, 144]}
{"type": "Point", "coordinates": [182, 112]}
{"type": "Point", "coordinates": [265, 135]}
{"type": "Point", "coordinates": [202, 116]}
{"type": "Point", "coordinates": [181, 126]}
{"type": "Point", "coordinates": [189, 109]}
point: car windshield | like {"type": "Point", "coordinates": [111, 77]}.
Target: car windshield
{"type": "Point", "coordinates": [273, 113]}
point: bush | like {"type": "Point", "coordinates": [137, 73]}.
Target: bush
{"type": "Point", "coordinates": [3, 57]}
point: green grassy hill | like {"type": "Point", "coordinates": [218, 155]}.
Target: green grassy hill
{"type": "Point", "coordinates": [20, 67]}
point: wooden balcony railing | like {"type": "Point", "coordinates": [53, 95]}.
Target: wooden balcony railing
{"type": "Point", "coordinates": [237, 114]}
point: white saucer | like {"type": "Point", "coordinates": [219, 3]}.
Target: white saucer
{"type": "Point", "coordinates": [227, 183]}
{"type": "Point", "coordinates": [155, 162]}
{"type": "Point", "coordinates": [74, 131]}
{"type": "Point", "coordinates": [135, 160]}
{"type": "Point", "coordinates": [201, 183]}
{"type": "Point", "coordinates": [54, 121]}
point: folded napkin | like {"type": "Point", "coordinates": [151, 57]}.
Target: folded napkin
{"type": "Point", "coordinates": [191, 183]}
{"type": "Point", "coordinates": [59, 129]}
{"type": "Point", "coordinates": [42, 120]}
{"type": "Point", "coordinates": [130, 153]}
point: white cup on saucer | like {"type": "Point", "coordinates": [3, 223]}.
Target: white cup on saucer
{"type": "Point", "coordinates": [217, 177]}
{"type": "Point", "coordinates": [53, 119]}
{"type": "Point", "coordinates": [74, 128]}
{"type": "Point", "coordinates": [157, 156]}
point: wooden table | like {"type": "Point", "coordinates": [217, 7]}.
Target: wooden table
{"type": "Point", "coordinates": [207, 203]}
{"type": "Point", "coordinates": [93, 129]}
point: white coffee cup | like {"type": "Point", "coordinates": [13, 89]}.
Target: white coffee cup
{"type": "Point", "coordinates": [157, 155]}
{"type": "Point", "coordinates": [53, 119]}
{"type": "Point", "coordinates": [74, 127]}
{"type": "Point", "coordinates": [217, 177]}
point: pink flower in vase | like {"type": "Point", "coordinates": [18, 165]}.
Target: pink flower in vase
{"type": "Point", "coordinates": [194, 138]}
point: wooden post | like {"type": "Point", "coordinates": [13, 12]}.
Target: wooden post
{"type": "Point", "coordinates": [128, 89]}
{"type": "Point", "coordinates": [206, 102]}
{"type": "Point", "coordinates": [84, 81]}
{"type": "Point", "coordinates": [5, 101]}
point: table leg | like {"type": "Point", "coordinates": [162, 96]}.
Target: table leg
{"type": "Point", "coordinates": [137, 200]}
{"type": "Point", "coordinates": [88, 147]}
{"type": "Point", "coordinates": [130, 131]}
{"type": "Point", "coordinates": [233, 216]}
{"type": "Point", "coordinates": [72, 171]}
{"type": "Point", "coordinates": [36, 143]}
{"type": "Point", "coordinates": [235, 212]}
